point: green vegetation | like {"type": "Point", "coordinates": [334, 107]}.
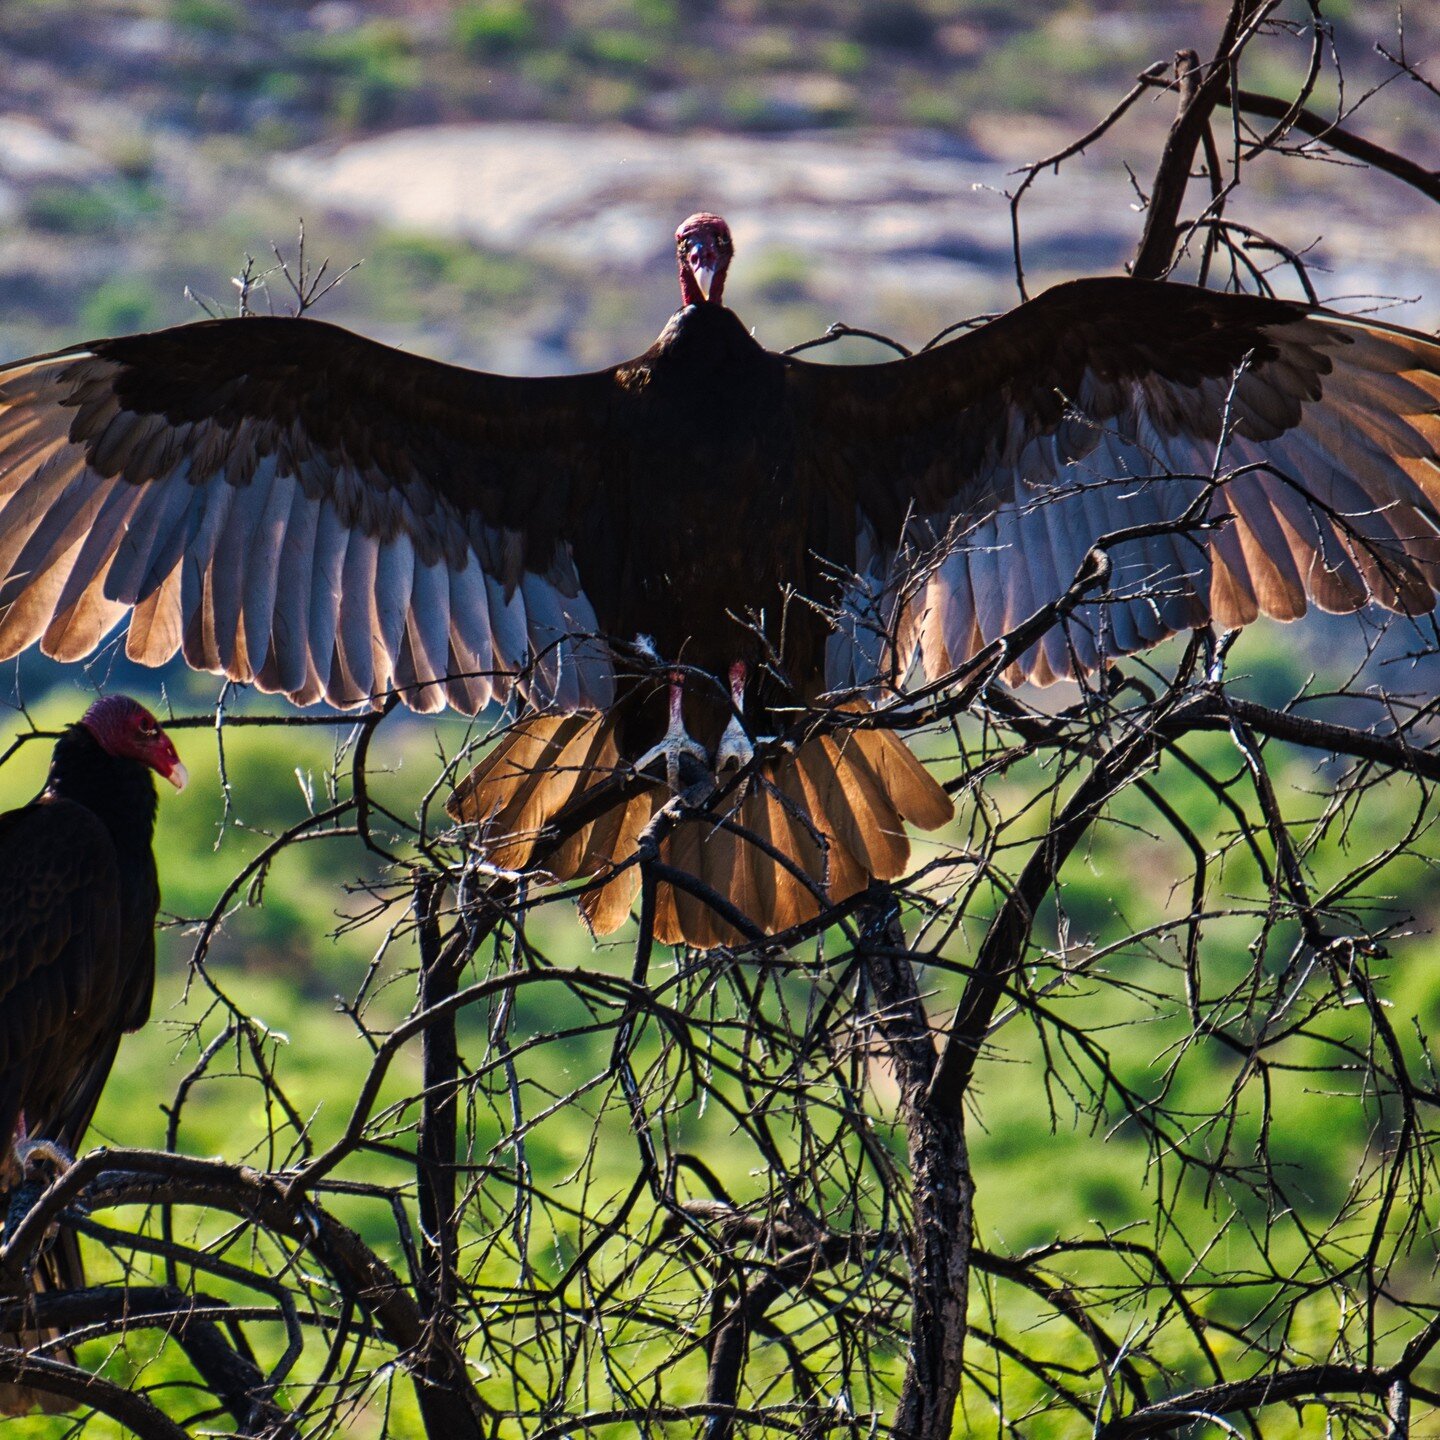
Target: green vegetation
{"type": "Point", "coordinates": [120, 306]}
{"type": "Point", "coordinates": [98, 210]}
{"type": "Point", "coordinates": [495, 29]}
{"type": "Point", "coordinates": [911, 61]}
{"type": "Point", "coordinates": [370, 71]}
{"type": "Point", "coordinates": [222, 18]}
{"type": "Point", "coordinates": [411, 278]}
{"type": "Point", "coordinates": [116, 255]}
{"type": "Point", "coordinates": [297, 946]}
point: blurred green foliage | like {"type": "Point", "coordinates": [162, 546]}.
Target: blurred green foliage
{"type": "Point", "coordinates": [494, 29]}
{"type": "Point", "coordinates": [100, 210]}
{"type": "Point", "coordinates": [934, 62]}
{"type": "Point", "coordinates": [370, 71]}
{"type": "Point", "coordinates": [215, 17]}
{"type": "Point", "coordinates": [409, 276]}
{"type": "Point", "coordinates": [120, 306]}
{"type": "Point", "coordinates": [1049, 1163]}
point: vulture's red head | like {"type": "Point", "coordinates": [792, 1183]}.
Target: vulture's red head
{"type": "Point", "coordinates": [125, 728]}
{"type": "Point", "coordinates": [703, 247]}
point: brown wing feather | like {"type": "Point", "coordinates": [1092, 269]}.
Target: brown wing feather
{"type": "Point", "coordinates": [979, 473]}
{"type": "Point", "coordinates": [293, 504]}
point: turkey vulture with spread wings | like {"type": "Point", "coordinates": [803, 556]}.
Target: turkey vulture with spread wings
{"type": "Point", "coordinates": [78, 896]}
{"type": "Point", "coordinates": [287, 503]}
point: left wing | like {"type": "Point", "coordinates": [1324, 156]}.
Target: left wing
{"type": "Point", "coordinates": [982, 471]}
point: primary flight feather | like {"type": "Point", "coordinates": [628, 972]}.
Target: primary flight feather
{"type": "Point", "coordinates": [287, 503]}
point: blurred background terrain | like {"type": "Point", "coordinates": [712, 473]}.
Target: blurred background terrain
{"type": "Point", "coordinates": [511, 173]}
{"type": "Point", "coordinates": [509, 176]}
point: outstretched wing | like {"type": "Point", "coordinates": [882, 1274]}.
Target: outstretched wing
{"type": "Point", "coordinates": [292, 504]}
{"type": "Point", "coordinates": [982, 471]}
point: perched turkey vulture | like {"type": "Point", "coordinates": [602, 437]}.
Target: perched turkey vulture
{"type": "Point", "coordinates": [78, 895]}
{"type": "Point", "coordinates": [286, 502]}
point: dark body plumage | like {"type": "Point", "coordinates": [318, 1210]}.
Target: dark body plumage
{"type": "Point", "coordinates": [290, 504]}
{"type": "Point", "coordinates": [78, 898]}
{"type": "Point", "coordinates": [708, 404]}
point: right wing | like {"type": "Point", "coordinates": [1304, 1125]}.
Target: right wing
{"type": "Point", "coordinates": [291, 504]}
{"type": "Point", "coordinates": [982, 471]}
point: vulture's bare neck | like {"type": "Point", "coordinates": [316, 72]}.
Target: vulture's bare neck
{"type": "Point", "coordinates": [120, 791]}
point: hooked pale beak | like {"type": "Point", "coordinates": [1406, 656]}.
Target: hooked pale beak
{"type": "Point", "coordinates": [701, 259]}
{"type": "Point", "coordinates": [178, 775]}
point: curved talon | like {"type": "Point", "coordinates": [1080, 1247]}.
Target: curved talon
{"type": "Point", "coordinates": [679, 752]}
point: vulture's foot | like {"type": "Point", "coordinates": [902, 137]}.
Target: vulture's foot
{"type": "Point", "coordinates": [681, 754]}
{"type": "Point", "coordinates": [33, 1153]}
{"type": "Point", "coordinates": [31, 1158]}
{"type": "Point", "coordinates": [685, 759]}
{"type": "Point", "coordinates": [19, 1203]}
{"type": "Point", "coordinates": [735, 750]}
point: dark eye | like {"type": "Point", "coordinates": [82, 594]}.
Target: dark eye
{"type": "Point", "coordinates": [148, 732]}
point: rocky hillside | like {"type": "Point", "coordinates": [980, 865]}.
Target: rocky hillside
{"type": "Point", "coordinates": [510, 172]}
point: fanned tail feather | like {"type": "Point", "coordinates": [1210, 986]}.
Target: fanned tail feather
{"type": "Point", "coordinates": [534, 771]}
{"type": "Point", "coordinates": [813, 827]}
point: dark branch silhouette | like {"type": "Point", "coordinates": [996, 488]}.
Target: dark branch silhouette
{"type": "Point", "coordinates": [777, 1188]}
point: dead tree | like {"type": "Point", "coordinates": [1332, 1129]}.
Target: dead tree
{"type": "Point", "coordinates": [1171, 945]}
